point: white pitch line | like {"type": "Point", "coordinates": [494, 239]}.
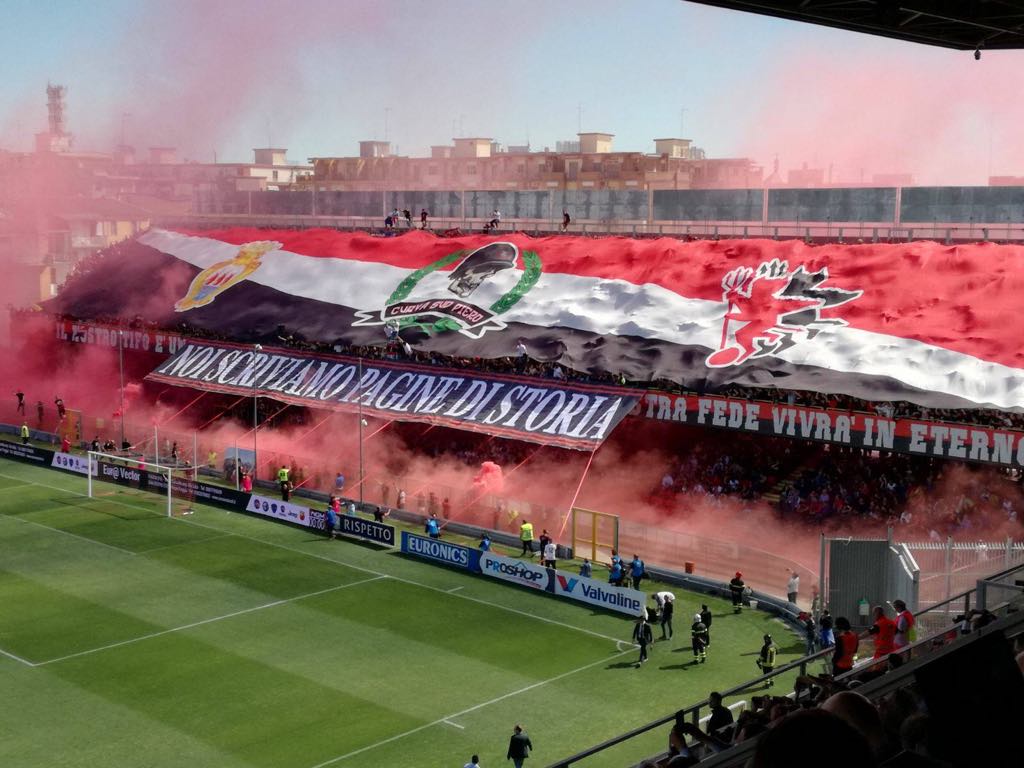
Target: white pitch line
{"type": "Point", "coordinates": [455, 725]}
{"type": "Point", "coordinates": [207, 621]}
{"type": "Point", "coordinates": [26, 662]}
{"type": "Point", "coordinates": [13, 487]}
{"type": "Point", "coordinates": [67, 533]}
{"type": "Point", "coordinates": [183, 544]}
{"type": "Point", "coordinates": [399, 579]}
{"type": "Point", "coordinates": [446, 718]}
{"type": "Point", "coordinates": [453, 590]}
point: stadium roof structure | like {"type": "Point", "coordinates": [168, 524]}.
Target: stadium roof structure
{"type": "Point", "coordinates": [960, 24]}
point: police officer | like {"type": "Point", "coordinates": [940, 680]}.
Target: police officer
{"type": "Point", "coordinates": [282, 478]}
{"type": "Point", "coordinates": [526, 537]}
{"type": "Point", "coordinates": [24, 433]}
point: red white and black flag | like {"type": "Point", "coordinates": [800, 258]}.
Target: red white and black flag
{"type": "Point", "coordinates": [924, 322]}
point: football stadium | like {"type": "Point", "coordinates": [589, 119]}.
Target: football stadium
{"type": "Point", "coordinates": [362, 476]}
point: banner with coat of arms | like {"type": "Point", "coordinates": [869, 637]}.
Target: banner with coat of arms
{"type": "Point", "coordinates": [923, 322]}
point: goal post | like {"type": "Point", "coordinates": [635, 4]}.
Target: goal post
{"type": "Point", "coordinates": [134, 471]}
{"type": "Point", "coordinates": [594, 534]}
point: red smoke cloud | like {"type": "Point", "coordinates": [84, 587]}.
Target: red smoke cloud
{"type": "Point", "coordinates": [935, 113]}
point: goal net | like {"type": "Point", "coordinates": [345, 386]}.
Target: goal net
{"type": "Point", "coordinates": [111, 472]}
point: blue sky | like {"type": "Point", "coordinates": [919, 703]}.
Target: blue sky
{"type": "Point", "coordinates": [317, 76]}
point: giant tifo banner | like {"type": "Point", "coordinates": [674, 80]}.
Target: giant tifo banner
{"type": "Point", "coordinates": [918, 321]}
{"type": "Point", "coordinates": [527, 409]}
{"type": "Point", "coordinates": [861, 430]}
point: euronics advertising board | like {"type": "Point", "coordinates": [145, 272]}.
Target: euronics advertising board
{"type": "Point", "coordinates": [443, 552]}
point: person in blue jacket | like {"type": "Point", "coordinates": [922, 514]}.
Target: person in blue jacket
{"type": "Point", "coordinates": [433, 527]}
{"type": "Point", "coordinates": [616, 573]}
{"type": "Point", "coordinates": [332, 522]}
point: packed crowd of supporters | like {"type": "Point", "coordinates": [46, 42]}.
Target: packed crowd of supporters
{"type": "Point", "coordinates": [396, 348]}
{"type": "Point", "coordinates": [825, 719]}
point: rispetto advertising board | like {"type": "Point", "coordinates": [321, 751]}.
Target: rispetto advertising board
{"type": "Point", "coordinates": [594, 592]}
{"type": "Point", "coordinates": [516, 571]}
{"type": "Point", "coordinates": [442, 552]}
{"type": "Point", "coordinates": [369, 530]}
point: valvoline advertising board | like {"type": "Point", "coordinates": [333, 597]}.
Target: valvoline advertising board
{"type": "Point", "coordinates": [599, 593]}
{"type": "Point", "coordinates": [443, 552]}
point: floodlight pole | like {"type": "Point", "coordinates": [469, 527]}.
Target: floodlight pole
{"type": "Point", "coordinates": [256, 348]}
{"type": "Point", "coordinates": [359, 401]}
{"type": "Point", "coordinates": [120, 362]}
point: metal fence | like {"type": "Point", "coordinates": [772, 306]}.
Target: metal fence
{"type": "Point", "coordinates": [816, 231]}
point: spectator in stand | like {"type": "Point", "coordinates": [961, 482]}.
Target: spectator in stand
{"type": "Point", "coordinates": [810, 634]}
{"type": "Point", "coordinates": [21, 401]}
{"type": "Point", "coordinates": [40, 412]}
{"type": "Point", "coordinates": [586, 570]}
{"type": "Point", "coordinates": [736, 587]}
{"type": "Point", "coordinates": [565, 220]}
{"type": "Point", "coordinates": [246, 482]}
{"type": "Point", "coordinates": [827, 638]}
{"type": "Point", "coordinates": [721, 716]}
{"type": "Point", "coordinates": [884, 631]}
{"type": "Point", "coordinates": [423, 218]}
{"type": "Point", "coordinates": [339, 483]}
{"type": "Point", "coordinates": [857, 711]}
{"type": "Point", "coordinates": [812, 738]}
{"type": "Point", "coordinates": [845, 648]}
{"type": "Point", "coordinates": [65, 444]}
{"type": "Point", "coordinates": [905, 633]}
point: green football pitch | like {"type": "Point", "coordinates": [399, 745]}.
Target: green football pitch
{"type": "Point", "coordinates": [128, 638]}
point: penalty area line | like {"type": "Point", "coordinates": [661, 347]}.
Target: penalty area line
{"type": "Point", "coordinates": [447, 718]}
{"type": "Point", "coordinates": [9, 655]}
{"type": "Point", "coordinates": [20, 519]}
{"type": "Point", "coordinates": [344, 564]}
{"type": "Point", "coordinates": [207, 621]}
